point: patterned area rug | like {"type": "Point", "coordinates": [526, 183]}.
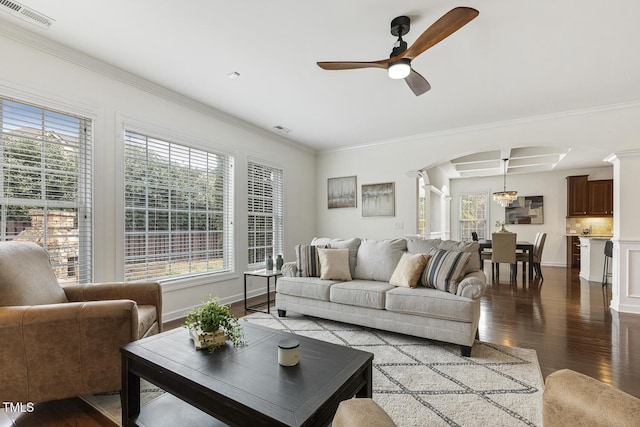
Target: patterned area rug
{"type": "Point", "coordinates": [109, 403]}
{"type": "Point", "coordinates": [428, 383]}
{"type": "Point", "coordinates": [417, 381]}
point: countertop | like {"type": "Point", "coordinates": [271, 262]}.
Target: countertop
{"type": "Point", "coordinates": [591, 236]}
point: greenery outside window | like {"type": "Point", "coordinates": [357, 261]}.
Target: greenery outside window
{"type": "Point", "coordinates": [45, 185]}
{"type": "Point", "coordinates": [265, 209]}
{"type": "Point", "coordinates": [178, 209]}
{"type": "Point", "coordinates": [422, 208]}
{"type": "Point", "coordinates": [473, 215]}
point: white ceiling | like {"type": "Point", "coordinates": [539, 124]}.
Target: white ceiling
{"type": "Point", "coordinates": [517, 59]}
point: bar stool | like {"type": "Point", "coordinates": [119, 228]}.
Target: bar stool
{"type": "Point", "coordinates": [608, 255]}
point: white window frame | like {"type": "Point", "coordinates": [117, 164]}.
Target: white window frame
{"type": "Point", "coordinates": [70, 249]}
{"type": "Point", "coordinates": [188, 153]}
{"type": "Point", "coordinates": [483, 232]}
{"type": "Point", "coordinates": [265, 205]}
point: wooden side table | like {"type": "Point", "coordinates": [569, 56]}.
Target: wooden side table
{"type": "Point", "coordinates": [267, 274]}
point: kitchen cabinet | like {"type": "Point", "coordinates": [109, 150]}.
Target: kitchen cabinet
{"type": "Point", "coordinates": [577, 195]}
{"type": "Point", "coordinates": [601, 197]}
{"type": "Point", "coordinates": [589, 198]}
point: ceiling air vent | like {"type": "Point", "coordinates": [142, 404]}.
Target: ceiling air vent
{"type": "Point", "coordinates": [27, 14]}
{"type": "Point", "coordinates": [282, 129]}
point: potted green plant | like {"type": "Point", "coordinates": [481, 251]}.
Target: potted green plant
{"type": "Point", "coordinates": [212, 324]}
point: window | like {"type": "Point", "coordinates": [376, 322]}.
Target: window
{"type": "Point", "coordinates": [178, 210]}
{"type": "Point", "coordinates": [45, 185]}
{"type": "Point", "coordinates": [422, 208]}
{"type": "Point", "coordinates": [473, 215]}
{"type": "Point", "coordinates": [265, 206]}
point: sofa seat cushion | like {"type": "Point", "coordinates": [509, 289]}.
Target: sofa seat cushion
{"type": "Point", "coordinates": [147, 316]}
{"type": "Point", "coordinates": [305, 287]}
{"type": "Point", "coordinates": [362, 293]}
{"type": "Point", "coordinates": [428, 302]}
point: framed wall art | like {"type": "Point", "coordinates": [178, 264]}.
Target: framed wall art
{"type": "Point", "coordinates": [378, 199]}
{"type": "Point", "coordinates": [342, 192]}
{"type": "Point", "coordinates": [525, 210]}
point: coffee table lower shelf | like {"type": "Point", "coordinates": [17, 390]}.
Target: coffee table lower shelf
{"type": "Point", "coordinates": [170, 411]}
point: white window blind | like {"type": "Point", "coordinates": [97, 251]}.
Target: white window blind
{"type": "Point", "coordinates": [178, 209]}
{"type": "Point", "coordinates": [473, 215]}
{"type": "Point", "coordinates": [265, 208]}
{"type": "Point", "coordinates": [422, 208]}
{"type": "Point", "coordinates": [45, 185]}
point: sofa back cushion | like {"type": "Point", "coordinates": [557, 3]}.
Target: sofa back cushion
{"type": "Point", "coordinates": [445, 270]}
{"type": "Point", "coordinates": [351, 244]}
{"type": "Point", "coordinates": [26, 276]}
{"type": "Point", "coordinates": [418, 245]}
{"type": "Point", "coordinates": [470, 247]}
{"type": "Point", "coordinates": [378, 259]}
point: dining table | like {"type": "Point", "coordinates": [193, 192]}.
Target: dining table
{"type": "Point", "coordinates": [520, 245]}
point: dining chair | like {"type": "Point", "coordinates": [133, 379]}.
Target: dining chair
{"type": "Point", "coordinates": [484, 256]}
{"type": "Point", "coordinates": [538, 246]}
{"type": "Point", "coordinates": [503, 250]}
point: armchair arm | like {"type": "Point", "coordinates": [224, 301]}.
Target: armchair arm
{"type": "Point", "coordinates": [143, 293]}
{"type": "Point", "coordinates": [54, 351]}
{"type": "Point", "coordinates": [472, 286]}
{"type": "Point", "coordinates": [571, 398]}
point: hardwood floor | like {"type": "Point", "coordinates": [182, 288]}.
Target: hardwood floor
{"type": "Point", "coordinates": [568, 322]}
{"type": "Point", "coordinates": [564, 318]}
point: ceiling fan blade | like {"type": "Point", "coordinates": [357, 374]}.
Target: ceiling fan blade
{"type": "Point", "coordinates": [448, 24]}
{"type": "Point", "coordinates": [417, 83]}
{"type": "Point", "coordinates": [351, 65]}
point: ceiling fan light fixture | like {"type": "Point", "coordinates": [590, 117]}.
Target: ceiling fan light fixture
{"type": "Point", "coordinates": [400, 69]}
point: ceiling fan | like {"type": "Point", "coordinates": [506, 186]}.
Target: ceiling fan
{"type": "Point", "coordinates": [399, 62]}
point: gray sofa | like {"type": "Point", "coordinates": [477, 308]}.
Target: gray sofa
{"type": "Point", "coordinates": [370, 300]}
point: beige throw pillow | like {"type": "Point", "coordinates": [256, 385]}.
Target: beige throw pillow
{"type": "Point", "coordinates": [334, 264]}
{"type": "Point", "coordinates": [409, 270]}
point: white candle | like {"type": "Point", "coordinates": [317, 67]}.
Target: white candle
{"type": "Point", "coordinates": [288, 352]}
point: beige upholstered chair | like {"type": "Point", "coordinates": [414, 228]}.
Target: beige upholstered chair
{"type": "Point", "coordinates": [361, 413]}
{"type": "Point", "coordinates": [503, 250]}
{"type": "Point", "coordinates": [538, 246]}
{"type": "Point", "coordinates": [59, 342]}
{"type": "Point", "coordinates": [574, 399]}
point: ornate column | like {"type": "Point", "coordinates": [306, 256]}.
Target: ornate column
{"type": "Point", "coordinates": [625, 287]}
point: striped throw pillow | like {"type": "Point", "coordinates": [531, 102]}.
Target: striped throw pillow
{"type": "Point", "coordinates": [307, 260]}
{"type": "Point", "coordinates": [445, 270]}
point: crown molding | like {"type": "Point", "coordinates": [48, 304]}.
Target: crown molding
{"type": "Point", "coordinates": [15, 32]}
{"type": "Point", "coordinates": [489, 126]}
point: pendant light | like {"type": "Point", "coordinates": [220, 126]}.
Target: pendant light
{"type": "Point", "coordinates": [504, 198]}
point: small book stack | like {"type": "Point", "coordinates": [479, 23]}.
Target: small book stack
{"type": "Point", "coordinates": [207, 339]}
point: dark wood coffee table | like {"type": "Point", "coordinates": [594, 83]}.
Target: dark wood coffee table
{"type": "Point", "coordinates": [240, 387]}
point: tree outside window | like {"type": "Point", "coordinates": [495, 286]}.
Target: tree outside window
{"type": "Point", "coordinates": [473, 215]}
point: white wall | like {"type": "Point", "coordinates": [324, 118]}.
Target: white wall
{"type": "Point", "coordinates": [43, 74]}
{"type": "Point", "coordinates": [615, 128]}
{"type": "Point", "coordinates": [551, 185]}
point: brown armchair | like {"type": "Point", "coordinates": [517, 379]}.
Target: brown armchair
{"type": "Point", "coordinates": [574, 399]}
{"type": "Point", "coordinates": [58, 342]}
